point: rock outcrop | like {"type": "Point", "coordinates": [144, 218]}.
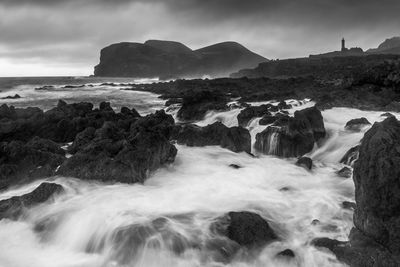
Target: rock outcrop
{"type": "Point", "coordinates": [305, 162]}
{"type": "Point", "coordinates": [113, 154]}
{"type": "Point", "coordinates": [236, 139]}
{"type": "Point", "coordinates": [168, 59]}
{"type": "Point", "coordinates": [356, 124]}
{"type": "Point", "coordinates": [13, 207]}
{"type": "Point", "coordinates": [196, 105]}
{"type": "Point", "coordinates": [375, 238]}
{"type": "Point", "coordinates": [248, 229]}
{"type": "Point", "coordinates": [252, 112]}
{"type": "Point", "coordinates": [293, 136]}
{"type": "Point", "coordinates": [20, 161]}
{"type": "Point", "coordinates": [107, 145]}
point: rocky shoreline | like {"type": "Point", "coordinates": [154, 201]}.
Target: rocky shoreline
{"type": "Point", "coordinates": [98, 143]}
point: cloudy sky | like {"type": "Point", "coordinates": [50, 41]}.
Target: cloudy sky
{"type": "Point", "coordinates": [63, 37]}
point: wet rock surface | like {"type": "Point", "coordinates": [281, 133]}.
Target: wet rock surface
{"type": "Point", "coordinates": [375, 238]}
{"type": "Point", "coordinates": [113, 154]}
{"type": "Point", "coordinates": [356, 124]}
{"type": "Point", "coordinates": [295, 136]}
{"type": "Point", "coordinates": [351, 156]}
{"type": "Point", "coordinates": [196, 105]}
{"type": "Point", "coordinates": [246, 228]}
{"type": "Point", "coordinates": [22, 161]}
{"type": "Point", "coordinates": [305, 162]}
{"type": "Point", "coordinates": [107, 145]}
{"type": "Point", "coordinates": [236, 139]}
{"type": "Point", "coordinates": [13, 207]}
{"type": "Point", "coordinates": [252, 112]}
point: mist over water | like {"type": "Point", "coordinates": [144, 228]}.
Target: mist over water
{"type": "Point", "coordinates": [166, 221]}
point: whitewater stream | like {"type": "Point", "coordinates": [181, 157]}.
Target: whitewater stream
{"type": "Point", "coordinates": [166, 221]}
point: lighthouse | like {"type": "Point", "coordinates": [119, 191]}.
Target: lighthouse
{"type": "Point", "coordinates": [343, 45]}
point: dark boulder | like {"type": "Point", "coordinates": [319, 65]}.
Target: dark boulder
{"type": "Point", "coordinates": [375, 237]}
{"type": "Point", "coordinates": [236, 139]}
{"type": "Point", "coordinates": [305, 162]}
{"type": "Point", "coordinates": [246, 228]}
{"type": "Point", "coordinates": [295, 136]}
{"type": "Point", "coordinates": [377, 181]}
{"type": "Point", "coordinates": [13, 207]}
{"type": "Point", "coordinates": [196, 105]}
{"type": "Point", "coordinates": [27, 161]}
{"type": "Point", "coordinates": [113, 154]}
{"type": "Point", "coordinates": [249, 113]}
{"type": "Point", "coordinates": [351, 156]}
{"type": "Point", "coordinates": [235, 166]}
{"type": "Point", "coordinates": [356, 124]}
{"type": "Point", "coordinates": [287, 253]}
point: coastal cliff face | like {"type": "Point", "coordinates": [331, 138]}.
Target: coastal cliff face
{"type": "Point", "coordinates": [167, 59]}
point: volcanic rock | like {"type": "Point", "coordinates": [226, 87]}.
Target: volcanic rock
{"type": "Point", "coordinates": [113, 154]}
{"type": "Point", "coordinates": [356, 124]}
{"type": "Point", "coordinates": [237, 139]}
{"type": "Point", "coordinates": [305, 162]}
{"type": "Point", "coordinates": [13, 207]}
{"type": "Point", "coordinates": [295, 136]}
{"type": "Point", "coordinates": [196, 105]}
{"type": "Point", "coordinates": [246, 228]}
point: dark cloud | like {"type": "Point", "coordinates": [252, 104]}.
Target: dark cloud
{"type": "Point", "coordinates": [73, 31]}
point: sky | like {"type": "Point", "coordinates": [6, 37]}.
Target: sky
{"type": "Point", "coordinates": [64, 37]}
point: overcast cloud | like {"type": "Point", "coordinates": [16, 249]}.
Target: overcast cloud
{"type": "Point", "coordinates": [64, 37]}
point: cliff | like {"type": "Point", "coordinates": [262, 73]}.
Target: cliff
{"type": "Point", "coordinates": [168, 59]}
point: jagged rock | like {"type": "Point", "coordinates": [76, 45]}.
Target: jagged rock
{"type": "Point", "coordinates": [13, 207]}
{"type": "Point", "coordinates": [237, 139]}
{"type": "Point", "coordinates": [356, 124]}
{"type": "Point", "coordinates": [344, 172]}
{"type": "Point", "coordinates": [26, 161]}
{"type": "Point", "coordinates": [246, 228]}
{"type": "Point", "coordinates": [60, 124]}
{"type": "Point", "coordinates": [249, 113]}
{"type": "Point", "coordinates": [351, 156]}
{"type": "Point", "coordinates": [113, 154]}
{"type": "Point", "coordinates": [305, 162]}
{"type": "Point", "coordinates": [295, 136]}
{"type": "Point", "coordinates": [196, 105]}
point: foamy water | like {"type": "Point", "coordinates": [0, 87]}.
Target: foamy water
{"type": "Point", "coordinates": [80, 227]}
